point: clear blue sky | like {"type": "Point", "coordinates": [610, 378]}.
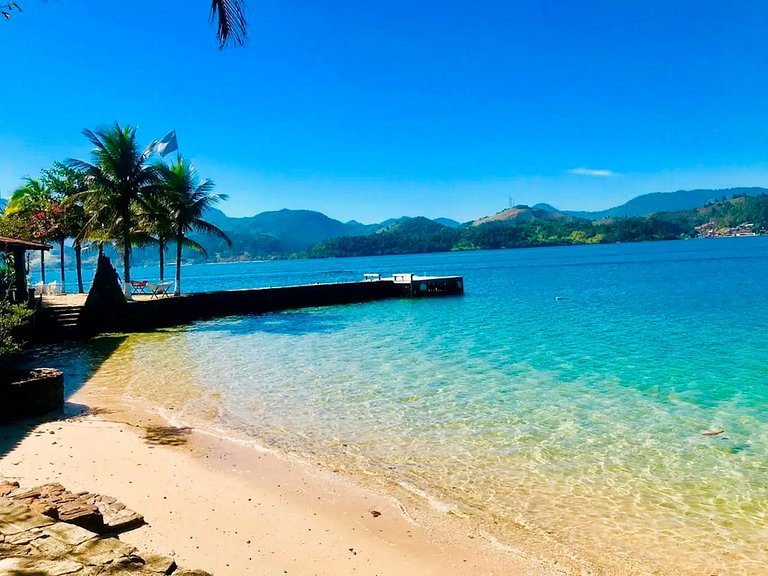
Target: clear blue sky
{"type": "Point", "coordinates": [371, 110]}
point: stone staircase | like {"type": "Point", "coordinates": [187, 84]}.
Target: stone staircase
{"type": "Point", "coordinates": [63, 320]}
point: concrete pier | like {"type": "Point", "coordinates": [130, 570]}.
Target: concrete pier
{"type": "Point", "coordinates": [147, 313]}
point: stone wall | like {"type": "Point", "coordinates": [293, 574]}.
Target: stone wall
{"type": "Point", "coordinates": [139, 316]}
{"type": "Point", "coordinates": [32, 393]}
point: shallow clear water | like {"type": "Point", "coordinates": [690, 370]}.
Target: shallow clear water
{"type": "Point", "coordinates": [567, 391]}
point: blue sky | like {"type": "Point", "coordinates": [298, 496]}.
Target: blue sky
{"type": "Point", "coordinates": [371, 110]}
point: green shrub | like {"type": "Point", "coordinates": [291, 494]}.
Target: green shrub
{"type": "Point", "coordinates": [12, 317]}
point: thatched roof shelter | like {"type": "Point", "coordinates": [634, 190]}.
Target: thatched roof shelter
{"type": "Point", "coordinates": [17, 247]}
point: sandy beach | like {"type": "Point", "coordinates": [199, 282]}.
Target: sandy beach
{"type": "Point", "coordinates": [234, 510]}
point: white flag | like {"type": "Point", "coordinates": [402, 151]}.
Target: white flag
{"type": "Point", "coordinates": [168, 144]}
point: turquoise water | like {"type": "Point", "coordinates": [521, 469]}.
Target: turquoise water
{"type": "Point", "coordinates": [566, 392]}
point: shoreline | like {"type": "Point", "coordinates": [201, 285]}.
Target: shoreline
{"type": "Point", "coordinates": [229, 508]}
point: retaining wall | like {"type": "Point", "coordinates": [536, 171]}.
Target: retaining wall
{"type": "Point", "coordinates": [139, 316]}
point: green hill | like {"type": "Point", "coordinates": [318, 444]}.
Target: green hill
{"type": "Point", "coordinates": [405, 236]}
{"type": "Point", "coordinates": [739, 215]}
{"type": "Point", "coordinates": [668, 202]}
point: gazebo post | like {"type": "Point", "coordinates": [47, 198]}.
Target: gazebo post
{"type": "Point", "coordinates": [17, 248]}
{"type": "Point", "coordinates": [20, 274]}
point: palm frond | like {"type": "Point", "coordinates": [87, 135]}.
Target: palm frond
{"type": "Point", "coordinates": [188, 243]}
{"type": "Point", "coordinates": [231, 27]}
{"type": "Point", "coordinates": [208, 228]}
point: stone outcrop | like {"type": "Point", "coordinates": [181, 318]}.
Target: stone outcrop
{"type": "Point", "coordinates": [100, 514]}
{"type": "Point", "coordinates": [105, 304]}
{"type": "Point", "coordinates": [34, 544]}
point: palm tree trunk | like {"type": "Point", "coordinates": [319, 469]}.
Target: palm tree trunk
{"type": "Point", "coordinates": [79, 266]}
{"type": "Point", "coordinates": [177, 289]}
{"type": "Point", "coordinates": [42, 266]}
{"type": "Point", "coordinates": [127, 252]}
{"type": "Point", "coordinates": [61, 264]}
{"type": "Point", "coordinates": [162, 257]}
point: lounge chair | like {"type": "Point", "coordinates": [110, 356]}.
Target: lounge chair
{"type": "Point", "coordinates": [53, 288]}
{"type": "Point", "coordinates": [138, 286]}
{"type": "Point", "coordinates": [39, 288]}
{"type": "Point", "coordinates": [160, 289]}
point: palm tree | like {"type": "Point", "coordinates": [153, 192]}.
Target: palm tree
{"type": "Point", "coordinates": [118, 182]}
{"type": "Point", "coordinates": [156, 223]}
{"type": "Point", "coordinates": [68, 183]}
{"type": "Point", "coordinates": [32, 202]}
{"type": "Point", "coordinates": [187, 201]}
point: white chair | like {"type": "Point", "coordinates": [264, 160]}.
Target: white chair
{"type": "Point", "coordinates": [161, 289]}
{"type": "Point", "coordinates": [53, 288]}
{"type": "Point", "coordinates": [39, 289]}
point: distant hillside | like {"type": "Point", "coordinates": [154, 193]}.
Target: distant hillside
{"type": "Point", "coordinates": [524, 215]}
{"type": "Point", "coordinates": [404, 236]}
{"type": "Point", "coordinates": [667, 202]}
{"type": "Point", "coordinates": [299, 233]}
{"type": "Point", "coordinates": [523, 227]}
{"type": "Point", "coordinates": [448, 222]}
{"type": "Point", "coordinates": [283, 233]}
{"type": "Point", "coordinates": [293, 229]}
{"type": "Point", "coordinates": [544, 206]}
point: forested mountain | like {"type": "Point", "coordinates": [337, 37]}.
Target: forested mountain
{"type": "Point", "coordinates": [525, 215]}
{"type": "Point", "coordinates": [740, 215]}
{"type": "Point", "coordinates": [406, 236]}
{"type": "Point", "coordinates": [448, 222]}
{"type": "Point", "coordinates": [287, 232]}
{"type": "Point", "coordinates": [300, 233]}
{"type": "Point", "coordinates": [667, 202]}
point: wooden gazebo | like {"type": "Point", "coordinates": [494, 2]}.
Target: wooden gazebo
{"type": "Point", "coordinates": [17, 248]}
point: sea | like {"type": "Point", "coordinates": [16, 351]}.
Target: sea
{"type": "Point", "coordinates": [612, 399]}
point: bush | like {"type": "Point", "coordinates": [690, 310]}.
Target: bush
{"type": "Point", "coordinates": [12, 317]}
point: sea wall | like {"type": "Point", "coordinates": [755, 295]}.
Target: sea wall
{"type": "Point", "coordinates": [31, 393]}
{"type": "Point", "coordinates": [143, 315]}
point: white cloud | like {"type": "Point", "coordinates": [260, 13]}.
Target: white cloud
{"type": "Point", "coordinates": [590, 172]}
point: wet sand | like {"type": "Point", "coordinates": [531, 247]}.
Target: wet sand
{"type": "Point", "coordinates": [234, 510]}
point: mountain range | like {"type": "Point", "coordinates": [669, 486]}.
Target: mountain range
{"type": "Point", "coordinates": [664, 202]}
{"type": "Point", "coordinates": [287, 232]}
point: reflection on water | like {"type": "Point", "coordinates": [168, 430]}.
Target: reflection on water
{"type": "Point", "coordinates": [580, 418]}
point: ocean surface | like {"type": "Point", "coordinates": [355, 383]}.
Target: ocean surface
{"type": "Point", "coordinates": [566, 394]}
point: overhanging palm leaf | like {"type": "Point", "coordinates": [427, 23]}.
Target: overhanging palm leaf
{"type": "Point", "coordinates": [229, 15]}
{"type": "Point", "coordinates": [231, 25]}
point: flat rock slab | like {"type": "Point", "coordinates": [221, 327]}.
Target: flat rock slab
{"type": "Point", "coordinates": [100, 514]}
{"type": "Point", "coordinates": [32, 544]}
{"type": "Point", "coordinates": [16, 518]}
{"type": "Point", "coordinates": [38, 566]}
{"type": "Point", "coordinates": [102, 551]}
{"type": "Point", "coordinates": [7, 487]}
{"type": "Point", "coordinates": [69, 533]}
